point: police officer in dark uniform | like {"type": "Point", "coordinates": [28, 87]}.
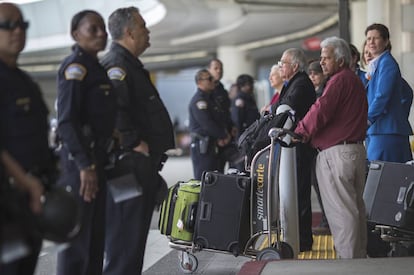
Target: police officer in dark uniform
{"type": "Point", "coordinates": [221, 98]}
{"type": "Point", "coordinates": [244, 109]}
{"type": "Point", "coordinates": [145, 128]}
{"type": "Point", "coordinates": [207, 129]}
{"type": "Point", "coordinates": [23, 131]}
{"type": "Point", "coordinates": [86, 108]}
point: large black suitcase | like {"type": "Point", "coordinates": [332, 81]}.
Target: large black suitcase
{"type": "Point", "coordinates": [222, 221]}
{"type": "Point", "coordinates": [388, 194]}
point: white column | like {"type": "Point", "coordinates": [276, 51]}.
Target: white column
{"type": "Point", "coordinates": [377, 11]}
{"type": "Point", "coordinates": [235, 63]}
{"type": "Point", "coordinates": [358, 23]}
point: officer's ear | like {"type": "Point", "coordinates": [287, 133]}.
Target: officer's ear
{"type": "Point", "coordinates": [128, 32]}
{"type": "Point", "coordinates": [74, 35]}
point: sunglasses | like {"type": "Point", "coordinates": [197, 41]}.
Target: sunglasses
{"type": "Point", "coordinates": [11, 26]}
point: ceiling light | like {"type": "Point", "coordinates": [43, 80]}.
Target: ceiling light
{"type": "Point", "coordinates": [22, 2]}
{"type": "Point", "coordinates": [208, 34]}
{"type": "Point", "coordinates": [329, 22]}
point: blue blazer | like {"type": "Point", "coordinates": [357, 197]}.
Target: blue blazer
{"type": "Point", "coordinates": [387, 99]}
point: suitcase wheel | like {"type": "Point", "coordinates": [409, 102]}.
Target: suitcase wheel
{"type": "Point", "coordinates": [286, 251]}
{"type": "Point", "coordinates": [188, 262]}
{"type": "Point", "coordinates": [269, 253]}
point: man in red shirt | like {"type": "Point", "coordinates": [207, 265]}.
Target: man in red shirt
{"type": "Point", "coordinates": [336, 126]}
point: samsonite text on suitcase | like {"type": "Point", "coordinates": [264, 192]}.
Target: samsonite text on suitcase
{"type": "Point", "coordinates": [223, 214]}
{"type": "Point", "coordinates": [388, 194]}
{"type": "Point", "coordinates": [178, 211]}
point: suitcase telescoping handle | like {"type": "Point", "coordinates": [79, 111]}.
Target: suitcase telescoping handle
{"type": "Point", "coordinates": [409, 197]}
{"type": "Point", "coordinates": [205, 211]}
{"type": "Point", "coordinates": [191, 216]}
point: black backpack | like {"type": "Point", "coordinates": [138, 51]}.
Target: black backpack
{"type": "Point", "coordinates": [256, 136]}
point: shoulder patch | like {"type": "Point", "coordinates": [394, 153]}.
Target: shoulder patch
{"type": "Point", "coordinates": [116, 73]}
{"type": "Point", "coordinates": [239, 103]}
{"type": "Point", "coordinates": [201, 105]}
{"type": "Point", "coordinates": [75, 71]}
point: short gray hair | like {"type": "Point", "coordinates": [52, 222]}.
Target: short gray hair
{"type": "Point", "coordinates": [298, 57]}
{"type": "Point", "coordinates": [274, 67]}
{"type": "Point", "coordinates": [119, 19]}
{"type": "Point", "coordinates": [341, 48]}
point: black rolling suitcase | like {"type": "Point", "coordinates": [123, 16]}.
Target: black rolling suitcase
{"type": "Point", "coordinates": [222, 221]}
{"type": "Point", "coordinates": [388, 194]}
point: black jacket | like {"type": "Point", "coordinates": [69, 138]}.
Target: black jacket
{"type": "Point", "coordinates": [299, 94]}
{"type": "Point", "coordinates": [205, 118]}
{"type": "Point", "coordinates": [141, 114]}
{"type": "Point", "coordinates": [23, 123]}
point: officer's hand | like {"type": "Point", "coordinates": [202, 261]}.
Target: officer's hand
{"type": "Point", "coordinates": [234, 132]}
{"type": "Point", "coordinates": [142, 148]}
{"type": "Point", "coordinates": [89, 184]}
{"type": "Point", "coordinates": [35, 189]}
{"type": "Point", "coordinates": [224, 141]}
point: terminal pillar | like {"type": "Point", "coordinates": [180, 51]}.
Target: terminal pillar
{"type": "Point", "coordinates": [235, 63]}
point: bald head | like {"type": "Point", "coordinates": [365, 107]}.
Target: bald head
{"type": "Point", "coordinates": [9, 11]}
{"type": "Point", "coordinates": [12, 33]}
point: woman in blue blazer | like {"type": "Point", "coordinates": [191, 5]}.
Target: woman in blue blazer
{"type": "Point", "coordinates": [388, 126]}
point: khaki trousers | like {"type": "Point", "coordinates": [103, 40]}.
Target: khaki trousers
{"type": "Point", "coordinates": [340, 171]}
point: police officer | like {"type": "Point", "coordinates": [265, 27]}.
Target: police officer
{"type": "Point", "coordinates": [244, 109]}
{"type": "Point", "coordinates": [221, 98]}
{"type": "Point", "coordinates": [23, 130]}
{"type": "Point", "coordinates": [145, 128]}
{"type": "Point", "coordinates": [207, 128]}
{"type": "Point", "coordinates": [86, 112]}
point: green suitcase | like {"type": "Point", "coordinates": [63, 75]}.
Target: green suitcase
{"type": "Point", "coordinates": [179, 211]}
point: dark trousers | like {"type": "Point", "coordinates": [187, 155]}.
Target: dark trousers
{"type": "Point", "coordinates": [84, 256]}
{"type": "Point", "coordinates": [203, 162]}
{"type": "Point", "coordinates": [127, 228]}
{"type": "Point", "coordinates": [304, 155]}
{"type": "Point", "coordinates": [26, 265]}
{"type": "Point", "coordinates": [30, 238]}
{"type": "Point", "coordinates": [314, 180]}
{"type": "Point", "coordinates": [18, 225]}
{"type": "Point", "coordinates": [128, 222]}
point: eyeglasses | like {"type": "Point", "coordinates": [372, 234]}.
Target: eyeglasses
{"type": "Point", "coordinates": [280, 63]}
{"type": "Point", "coordinates": [11, 26]}
{"type": "Point", "coordinates": [210, 78]}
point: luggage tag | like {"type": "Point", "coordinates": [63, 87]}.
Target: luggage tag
{"type": "Point", "coordinates": [124, 187]}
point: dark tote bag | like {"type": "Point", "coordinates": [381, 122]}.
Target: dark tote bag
{"type": "Point", "coordinates": [127, 175]}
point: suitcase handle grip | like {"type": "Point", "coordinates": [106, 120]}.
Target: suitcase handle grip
{"type": "Point", "coordinates": [409, 197]}
{"type": "Point", "coordinates": [205, 211]}
{"type": "Point", "coordinates": [191, 214]}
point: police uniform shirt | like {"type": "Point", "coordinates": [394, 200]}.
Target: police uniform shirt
{"type": "Point", "coordinates": [222, 100]}
{"type": "Point", "coordinates": [142, 114]}
{"type": "Point", "coordinates": [204, 118]}
{"type": "Point", "coordinates": [24, 125]}
{"type": "Point", "coordinates": [244, 111]}
{"type": "Point", "coordinates": [85, 99]}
